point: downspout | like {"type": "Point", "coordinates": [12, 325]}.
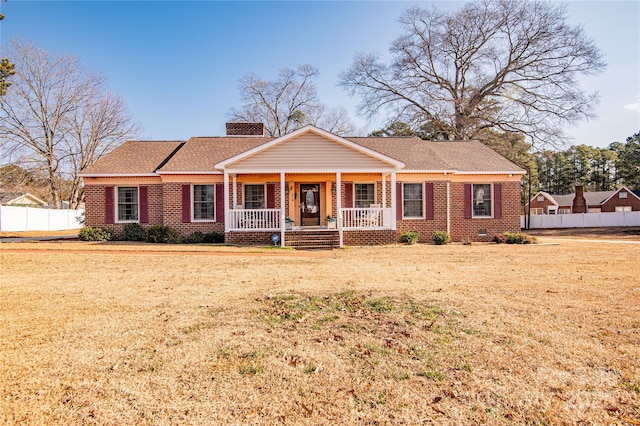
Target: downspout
{"type": "Point", "coordinates": [448, 208]}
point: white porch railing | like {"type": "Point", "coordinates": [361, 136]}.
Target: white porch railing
{"type": "Point", "coordinates": [254, 219]}
{"type": "Point", "coordinates": [366, 218]}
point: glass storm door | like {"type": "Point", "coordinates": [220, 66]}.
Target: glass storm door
{"type": "Point", "coordinates": [310, 204]}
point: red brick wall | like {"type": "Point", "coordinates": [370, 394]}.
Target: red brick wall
{"type": "Point", "coordinates": [249, 238]}
{"type": "Point", "coordinates": [367, 238]}
{"type": "Point", "coordinates": [541, 204]}
{"type": "Point", "coordinates": [94, 214]}
{"type": "Point", "coordinates": [631, 200]}
{"type": "Point", "coordinates": [464, 230]}
{"type": "Point", "coordinates": [425, 228]}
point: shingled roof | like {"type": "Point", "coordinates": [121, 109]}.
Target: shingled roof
{"type": "Point", "coordinates": [134, 158]}
{"type": "Point", "coordinates": [200, 154]}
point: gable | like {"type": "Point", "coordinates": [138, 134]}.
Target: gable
{"type": "Point", "coordinates": [312, 151]}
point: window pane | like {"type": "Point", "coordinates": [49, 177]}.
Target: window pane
{"type": "Point", "coordinates": [128, 204]}
{"type": "Point", "coordinates": [254, 197]}
{"type": "Point", "coordinates": [364, 195]}
{"type": "Point", "coordinates": [482, 200]}
{"type": "Point", "coordinates": [203, 203]}
{"type": "Point", "coordinates": [412, 202]}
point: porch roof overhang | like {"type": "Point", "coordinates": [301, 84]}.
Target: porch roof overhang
{"type": "Point", "coordinates": [373, 161]}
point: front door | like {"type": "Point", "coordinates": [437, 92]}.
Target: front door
{"type": "Point", "coordinates": [310, 204]}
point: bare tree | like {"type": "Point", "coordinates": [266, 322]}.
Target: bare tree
{"type": "Point", "coordinates": [505, 65]}
{"type": "Point", "coordinates": [287, 103]}
{"type": "Point", "coordinates": [49, 98]}
{"type": "Point", "coordinates": [91, 131]}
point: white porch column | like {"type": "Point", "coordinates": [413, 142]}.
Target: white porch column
{"type": "Point", "coordinates": [394, 197]}
{"type": "Point", "coordinates": [384, 190]}
{"type": "Point", "coordinates": [282, 209]}
{"type": "Point", "coordinates": [235, 192]}
{"type": "Point", "coordinates": [227, 216]}
{"type": "Point", "coordinates": [339, 206]}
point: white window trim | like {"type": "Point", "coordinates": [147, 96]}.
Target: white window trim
{"type": "Point", "coordinates": [244, 193]}
{"type": "Point", "coordinates": [621, 209]}
{"type": "Point", "coordinates": [116, 204]}
{"type": "Point", "coordinates": [193, 201]}
{"type": "Point", "coordinates": [623, 194]}
{"type": "Point", "coordinates": [375, 191]}
{"type": "Point", "coordinates": [424, 206]}
{"type": "Point", "coordinates": [473, 214]}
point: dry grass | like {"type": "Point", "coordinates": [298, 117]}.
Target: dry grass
{"type": "Point", "coordinates": [479, 334]}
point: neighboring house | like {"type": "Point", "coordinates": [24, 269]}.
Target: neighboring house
{"type": "Point", "coordinates": [251, 187]}
{"type": "Point", "coordinates": [620, 200]}
{"type": "Point", "coordinates": [21, 199]}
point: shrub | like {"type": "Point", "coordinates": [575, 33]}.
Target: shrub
{"type": "Point", "coordinates": [214, 237]}
{"type": "Point", "coordinates": [518, 238]}
{"type": "Point", "coordinates": [441, 237]}
{"type": "Point", "coordinates": [195, 238]}
{"type": "Point", "coordinates": [500, 239]}
{"type": "Point", "coordinates": [163, 234]}
{"type": "Point", "coordinates": [96, 233]}
{"type": "Point", "coordinates": [133, 232]}
{"type": "Point", "coordinates": [409, 237]}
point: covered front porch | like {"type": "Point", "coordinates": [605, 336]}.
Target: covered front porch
{"type": "Point", "coordinates": [305, 180]}
{"type": "Point", "coordinates": [309, 202]}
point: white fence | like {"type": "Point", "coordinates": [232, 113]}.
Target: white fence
{"type": "Point", "coordinates": [582, 220]}
{"type": "Point", "coordinates": [34, 219]}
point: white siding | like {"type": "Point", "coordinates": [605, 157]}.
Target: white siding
{"type": "Point", "coordinates": [310, 152]}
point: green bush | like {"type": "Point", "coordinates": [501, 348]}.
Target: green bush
{"type": "Point", "coordinates": [133, 232]}
{"type": "Point", "coordinates": [518, 238]}
{"type": "Point", "coordinates": [163, 234]}
{"type": "Point", "coordinates": [409, 237]}
{"type": "Point", "coordinates": [195, 238]}
{"type": "Point", "coordinates": [441, 237]}
{"type": "Point", "coordinates": [96, 233]}
{"type": "Point", "coordinates": [214, 237]}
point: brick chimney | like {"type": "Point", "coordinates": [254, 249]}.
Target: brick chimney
{"type": "Point", "coordinates": [245, 129]}
{"type": "Point", "coordinates": [579, 203]}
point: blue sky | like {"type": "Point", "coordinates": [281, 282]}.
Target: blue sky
{"type": "Point", "coordinates": [177, 64]}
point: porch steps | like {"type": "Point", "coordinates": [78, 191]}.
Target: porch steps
{"type": "Point", "coordinates": [313, 239]}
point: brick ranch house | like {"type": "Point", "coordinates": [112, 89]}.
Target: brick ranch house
{"type": "Point", "coordinates": [358, 190]}
{"type": "Point", "coordinates": [620, 200]}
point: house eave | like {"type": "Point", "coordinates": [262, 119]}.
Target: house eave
{"type": "Point", "coordinates": [99, 175]}
{"type": "Point", "coordinates": [191, 172]}
{"type": "Point", "coordinates": [503, 172]}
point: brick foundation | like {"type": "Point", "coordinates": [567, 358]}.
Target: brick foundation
{"type": "Point", "coordinates": [369, 238]}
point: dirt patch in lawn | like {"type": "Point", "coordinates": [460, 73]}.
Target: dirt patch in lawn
{"type": "Point", "coordinates": [477, 334]}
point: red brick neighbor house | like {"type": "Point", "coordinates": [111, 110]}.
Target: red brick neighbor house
{"type": "Point", "coordinates": [620, 200]}
{"type": "Point", "coordinates": [307, 186]}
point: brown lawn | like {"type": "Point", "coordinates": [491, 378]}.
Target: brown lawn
{"type": "Point", "coordinates": [478, 334]}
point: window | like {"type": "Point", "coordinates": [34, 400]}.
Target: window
{"type": "Point", "coordinates": [595, 210]}
{"type": "Point", "coordinates": [203, 202]}
{"type": "Point", "coordinates": [254, 197]}
{"type": "Point", "coordinates": [364, 195]}
{"type": "Point", "coordinates": [412, 200]}
{"type": "Point", "coordinates": [537, 210]}
{"type": "Point", "coordinates": [540, 198]}
{"type": "Point", "coordinates": [127, 204]}
{"type": "Point", "coordinates": [564, 211]}
{"type": "Point", "coordinates": [623, 208]}
{"type": "Point", "coordinates": [482, 200]}
{"type": "Point", "coordinates": [622, 194]}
